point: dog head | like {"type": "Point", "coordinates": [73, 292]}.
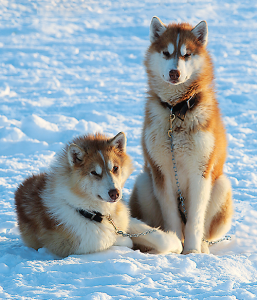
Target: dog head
{"type": "Point", "coordinates": [99, 166]}
{"type": "Point", "coordinates": [176, 54]}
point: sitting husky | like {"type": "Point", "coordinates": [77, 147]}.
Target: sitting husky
{"type": "Point", "coordinates": [76, 207]}
{"type": "Point", "coordinates": [183, 187]}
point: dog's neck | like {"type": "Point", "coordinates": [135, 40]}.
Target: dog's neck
{"type": "Point", "coordinates": [182, 106]}
{"type": "Point", "coordinates": [93, 216]}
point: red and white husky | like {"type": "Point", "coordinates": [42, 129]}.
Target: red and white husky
{"type": "Point", "coordinates": [180, 78]}
{"type": "Point", "coordinates": [68, 208]}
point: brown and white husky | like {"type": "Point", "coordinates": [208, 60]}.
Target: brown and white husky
{"type": "Point", "coordinates": [180, 78]}
{"type": "Point", "coordinates": [75, 206]}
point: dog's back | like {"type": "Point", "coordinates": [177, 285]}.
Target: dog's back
{"type": "Point", "coordinates": [38, 228]}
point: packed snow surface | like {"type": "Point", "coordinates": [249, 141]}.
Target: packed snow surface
{"type": "Point", "coordinates": [74, 67]}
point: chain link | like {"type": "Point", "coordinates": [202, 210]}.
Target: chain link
{"type": "Point", "coordinates": [181, 199]}
{"type": "Point", "coordinates": [226, 238]}
{"type": "Point", "coordinates": [124, 234]}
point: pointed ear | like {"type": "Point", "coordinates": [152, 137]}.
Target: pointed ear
{"type": "Point", "coordinates": [156, 29]}
{"type": "Point", "coordinates": [119, 141]}
{"type": "Point", "coordinates": [201, 32]}
{"type": "Point", "coordinates": [75, 154]}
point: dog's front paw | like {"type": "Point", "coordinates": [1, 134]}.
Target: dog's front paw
{"type": "Point", "coordinates": [190, 251]}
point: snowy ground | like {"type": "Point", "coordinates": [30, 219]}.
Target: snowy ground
{"type": "Point", "coordinates": [71, 67]}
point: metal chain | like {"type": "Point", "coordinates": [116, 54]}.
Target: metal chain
{"type": "Point", "coordinates": [124, 234]}
{"type": "Point", "coordinates": [226, 238]}
{"type": "Point", "coordinates": [181, 199]}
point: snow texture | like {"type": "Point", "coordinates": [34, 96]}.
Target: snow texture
{"type": "Point", "coordinates": [73, 67]}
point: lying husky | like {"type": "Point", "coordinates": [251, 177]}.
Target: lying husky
{"type": "Point", "coordinates": [182, 188]}
{"type": "Point", "coordinates": [76, 207]}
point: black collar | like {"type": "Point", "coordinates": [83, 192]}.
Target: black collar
{"type": "Point", "coordinates": [181, 108]}
{"type": "Point", "coordinates": [93, 216]}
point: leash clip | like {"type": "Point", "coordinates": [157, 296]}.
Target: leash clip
{"type": "Point", "coordinates": [171, 119]}
{"type": "Point", "coordinates": [93, 216]}
{"type": "Point", "coordinates": [189, 106]}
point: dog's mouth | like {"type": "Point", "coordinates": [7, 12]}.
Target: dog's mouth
{"type": "Point", "coordinates": [173, 81]}
{"type": "Point", "coordinates": [110, 200]}
{"type": "Point", "coordinates": [113, 201]}
{"type": "Point", "coordinates": [179, 80]}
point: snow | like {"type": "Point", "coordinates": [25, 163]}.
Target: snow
{"type": "Point", "coordinates": [72, 67]}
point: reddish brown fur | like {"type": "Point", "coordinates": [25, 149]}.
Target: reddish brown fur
{"type": "Point", "coordinates": [37, 226]}
{"type": "Point", "coordinates": [135, 206]}
{"type": "Point", "coordinates": [219, 153]}
{"type": "Point", "coordinates": [34, 221]}
{"type": "Point", "coordinates": [203, 117]}
{"type": "Point", "coordinates": [202, 86]}
{"type": "Point", "coordinates": [91, 145]}
{"type": "Point", "coordinates": [222, 217]}
{"type": "Point", "coordinates": [156, 171]}
{"type": "Point", "coordinates": [204, 81]}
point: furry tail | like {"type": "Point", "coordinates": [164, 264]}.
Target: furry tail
{"type": "Point", "coordinates": [157, 242]}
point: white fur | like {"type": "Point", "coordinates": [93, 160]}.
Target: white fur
{"type": "Point", "coordinates": [199, 196]}
{"type": "Point", "coordinates": [110, 165]}
{"type": "Point", "coordinates": [192, 149]}
{"type": "Point", "coordinates": [171, 48]}
{"type": "Point", "coordinates": [93, 236]}
{"type": "Point", "coordinates": [63, 205]}
{"type": "Point", "coordinates": [199, 189]}
{"type": "Point", "coordinates": [108, 182]}
{"type": "Point", "coordinates": [219, 191]}
{"type": "Point", "coordinates": [166, 241]}
{"type": "Point", "coordinates": [101, 154]}
{"type": "Point", "coordinates": [98, 170]}
{"type": "Point", "coordinates": [188, 69]}
{"type": "Point", "coordinates": [183, 50]}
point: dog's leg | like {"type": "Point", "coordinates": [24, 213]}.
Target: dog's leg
{"type": "Point", "coordinates": [159, 241]}
{"type": "Point", "coordinates": [169, 208]}
{"type": "Point", "coordinates": [145, 206]}
{"type": "Point", "coordinates": [143, 203]}
{"type": "Point", "coordinates": [219, 211]}
{"type": "Point", "coordinates": [199, 196]}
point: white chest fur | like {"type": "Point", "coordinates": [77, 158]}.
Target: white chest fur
{"type": "Point", "coordinates": [192, 149]}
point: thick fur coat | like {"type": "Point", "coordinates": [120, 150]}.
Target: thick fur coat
{"type": "Point", "coordinates": [88, 177]}
{"type": "Point", "coordinates": [179, 68]}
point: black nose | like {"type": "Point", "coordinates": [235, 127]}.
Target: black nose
{"type": "Point", "coordinates": [174, 74]}
{"type": "Point", "coordinates": [114, 194]}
